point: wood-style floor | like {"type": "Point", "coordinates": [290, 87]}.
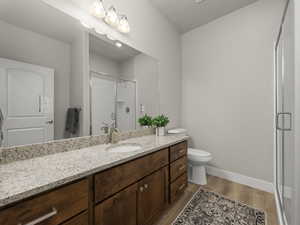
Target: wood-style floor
{"type": "Point", "coordinates": [254, 198]}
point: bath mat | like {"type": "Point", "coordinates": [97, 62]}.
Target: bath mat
{"type": "Point", "coordinates": [208, 208]}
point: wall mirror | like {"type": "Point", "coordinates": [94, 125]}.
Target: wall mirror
{"type": "Point", "coordinates": [60, 80]}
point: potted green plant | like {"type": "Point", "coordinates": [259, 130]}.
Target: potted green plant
{"type": "Point", "coordinates": [145, 121]}
{"type": "Point", "coordinates": [160, 122]}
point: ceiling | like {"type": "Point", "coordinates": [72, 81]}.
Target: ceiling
{"type": "Point", "coordinates": [108, 49]}
{"type": "Point", "coordinates": [187, 14]}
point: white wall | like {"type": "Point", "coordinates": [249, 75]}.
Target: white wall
{"type": "Point", "coordinates": [228, 88]}
{"type": "Point", "coordinates": [78, 70]}
{"type": "Point", "coordinates": [151, 33]}
{"type": "Point", "coordinates": [102, 64]}
{"type": "Point", "coordinates": [145, 71]}
{"type": "Point", "coordinates": [29, 47]}
{"type": "Point", "coordinates": [147, 77]}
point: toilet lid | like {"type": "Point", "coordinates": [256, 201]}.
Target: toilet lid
{"type": "Point", "coordinates": [198, 152]}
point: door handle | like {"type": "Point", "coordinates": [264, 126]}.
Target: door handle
{"type": "Point", "coordinates": [50, 122]}
{"type": "Point", "coordinates": [290, 121]}
{"type": "Point", "coordinates": [40, 103]}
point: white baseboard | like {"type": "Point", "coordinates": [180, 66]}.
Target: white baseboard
{"type": "Point", "coordinates": [241, 179]}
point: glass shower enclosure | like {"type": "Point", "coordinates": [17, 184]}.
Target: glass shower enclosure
{"type": "Point", "coordinates": [284, 111]}
{"type": "Point", "coordinates": [112, 100]}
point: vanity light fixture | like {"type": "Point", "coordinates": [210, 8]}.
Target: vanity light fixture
{"type": "Point", "coordinates": [98, 9]}
{"type": "Point", "coordinates": [110, 16]}
{"type": "Point", "coordinates": [124, 25]}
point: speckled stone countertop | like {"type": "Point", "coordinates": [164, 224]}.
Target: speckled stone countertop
{"type": "Point", "coordinates": [23, 179]}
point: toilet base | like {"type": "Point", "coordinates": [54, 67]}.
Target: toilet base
{"type": "Point", "coordinates": [197, 175]}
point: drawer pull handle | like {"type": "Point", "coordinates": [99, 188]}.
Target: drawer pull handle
{"type": "Point", "coordinates": [141, 189]}
{"type": "Point", "coordinates": [181, 187]}
{"type": "Point", "coordinates": [42, 218]}
{"type": "Point", "coordinates": [181, 151]}
{"type": "Point", "coordinates": [146, 186]}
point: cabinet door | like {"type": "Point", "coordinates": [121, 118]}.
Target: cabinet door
{"type": "Point", "coordinates": [152, 196]}
{"type": "Point", "coordinates": [118, 210]}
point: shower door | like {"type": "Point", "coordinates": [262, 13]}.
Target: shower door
{"type": "Point", "coordinates": [284, 62]}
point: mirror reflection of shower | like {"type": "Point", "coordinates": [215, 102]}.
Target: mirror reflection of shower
{"type": "Point", "coordinates": [113, 102]}
{"type": "Point", "coordinates": [121, 78]}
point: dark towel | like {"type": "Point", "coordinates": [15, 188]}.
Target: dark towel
{"type": "Point", "coordinates": [72, 122]}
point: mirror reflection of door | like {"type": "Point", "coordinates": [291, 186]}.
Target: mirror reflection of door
{"type": "Point", "coordinates": [26, 101]}
{"type": "Point", "coordinates": [103, 95]}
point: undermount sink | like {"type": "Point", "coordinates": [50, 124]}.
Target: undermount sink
{"type": "Point", "coordinates": [123, 148]}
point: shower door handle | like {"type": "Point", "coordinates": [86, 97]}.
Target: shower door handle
{"type": "Point", "coordinates": [278, 116]}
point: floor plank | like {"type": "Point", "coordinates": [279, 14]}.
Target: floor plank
{"type": "Point", "coordinates": [254, 198]}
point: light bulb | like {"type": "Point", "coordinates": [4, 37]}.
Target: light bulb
{"type": "Point", "coordinates": [98, 9]}
{"type": "Point", "coordinates": [124, 26]}
{"type": "Point", "coordinates": [118, 44]}
{"type": "Point", "coordinates": [112, 17]}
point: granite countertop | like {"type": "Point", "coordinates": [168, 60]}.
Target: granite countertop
{"type": "Point", "coordinates": [23, 179]}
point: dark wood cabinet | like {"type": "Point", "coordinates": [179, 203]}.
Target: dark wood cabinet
{"type": "Point", "coordinates": [81, 219]}
{"type": "Point", "coordinates": [51, 208]}
{"type": "Point", "coordinates": [178, 168]}
{"type": "Point", "coordinates": [133, 193]}
{"type": "Point", "coordinates": [121, 209]}
{"type": "Point", "coordinates": [152, 197]}
{"type": "Point", "coordinates": [178, 150]}
{"type": "Point", "coordinates": [115, 179]}
{"type": "Point", "coordinates": [178, 187]}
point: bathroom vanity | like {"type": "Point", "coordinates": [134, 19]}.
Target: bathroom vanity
{"type": "Point", "coordinates": [125, 189]}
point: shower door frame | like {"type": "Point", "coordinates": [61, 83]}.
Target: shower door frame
{"type": "Point", "coordinates": [278, 195]}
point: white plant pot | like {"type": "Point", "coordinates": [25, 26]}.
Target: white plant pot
{"type": "Point", "coordinates": [160, 131]}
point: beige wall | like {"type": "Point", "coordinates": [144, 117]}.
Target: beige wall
{"type": "Point", "coordinates": [29, 47]}
{"type": "Point", "coordinates": [228, 88]}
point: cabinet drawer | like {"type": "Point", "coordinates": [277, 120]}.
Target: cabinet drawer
{"type": "Point", "coordinates": [81, 219]}
{"type": "Point", "coordinates": [178, 168]}
{"type": "Point", "coordinates": [113, 180]}
{"type": "Point", "coordinates": [178, 187]}
{"type": "Point", "coordinates": [52, 208]}
{"type": "Point", "coordinates": [177, 151]}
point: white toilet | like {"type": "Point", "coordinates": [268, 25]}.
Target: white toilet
{"type": "Point", "coordinates": [197, 160]}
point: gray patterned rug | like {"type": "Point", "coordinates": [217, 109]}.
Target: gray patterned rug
{"type": "Point", "coordinates": [208, 208]}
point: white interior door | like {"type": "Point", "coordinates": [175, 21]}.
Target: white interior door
{"type": "Point", "coordinates": [103, 98]}
{"type": "Point", "coordinates": [26, 101]}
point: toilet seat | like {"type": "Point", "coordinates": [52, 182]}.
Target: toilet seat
{"type": "Point", "coordinates": [199, 155]}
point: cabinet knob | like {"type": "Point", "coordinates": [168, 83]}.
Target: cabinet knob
{"type": "Point", "coordinates": [141, 189]}
{"type": "Point", "coordinates": [146, 186]}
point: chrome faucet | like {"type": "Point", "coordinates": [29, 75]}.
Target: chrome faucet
{"type": "Point", "coordinates": [113, 134]}
{"type": "Point", "coordinates": [105, 128]}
